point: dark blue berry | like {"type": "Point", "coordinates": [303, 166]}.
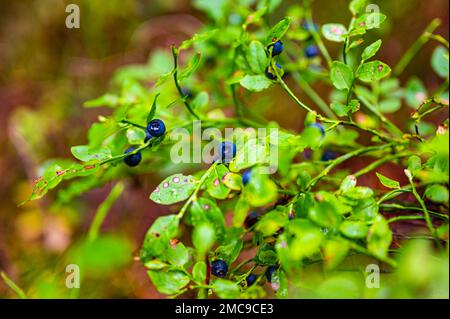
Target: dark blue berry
{"type": "Point", "coordinates": [148, 136]}
{"type": "Point", "coordinates": [133, 159]}
{"type": "Point", "coordinates": [311, 51]}
{"type": "Point", "coordinates": [328, 155]}
{"type": "Point", "coordinates": [269, 272]}
{"type": "Point", "coordinates": [319, 126]}
{"type": "Point", "coordinates": [277, 48]}
{"type": "Point", "coordinates": [219, 268]}
{"type": "Point", "coordinates": [250, 280]}
{"type": "Point", "coordinates": [271, 75]}
{"type": "Point", "coordinates": [251, 219]}
{"type": "Point", "coordinates": [246, 177]}
{"type": "Point", "coordinates": [156, 128]}
{"type": "Point", "coordinates": [186, 92]}
{"type": "Point", "coordinates": [227, 151]}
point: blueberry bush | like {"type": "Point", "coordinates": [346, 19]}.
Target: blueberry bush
{"type": "Point", "coordinates": [236, 231]}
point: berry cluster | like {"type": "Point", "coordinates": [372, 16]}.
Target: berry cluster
{"type": "Point", "coordinates": [155, 128]}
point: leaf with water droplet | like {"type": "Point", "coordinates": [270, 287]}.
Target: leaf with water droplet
{"type": "Point", "coordinates": [174, 189]}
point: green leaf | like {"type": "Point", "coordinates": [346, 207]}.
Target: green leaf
{"type": "Point", "coordinates": [199, 272]}
{"type": "Point", "coordinates": [379, 237]}
{"type": "Point", "coordinates": [335, 251]}
{"type": "Point", "coordinates": [109, 100]}
{"type": "Point", "coordinates": [87, 154]}
{"type": "Point", "coordinates": [233, 181]}
{"type": "Point", "coordinates": [215, 9]}
{"type": "Point", "coordinates": [354, 229]}
{"type": "Point", "coordinates": [440, 61]}
{"type": "Point", "coordinates": [437, 193]}
{"type": "Point", "coordinates": [255, 83]}
{"type": "Point", "coordinates": [229, 252]}
{"type": "Point", "coordinates": [368, 21]}
{"type": "Point", "coordinates": [168, 282]}
{"type": "Point", "coordinates": [155, 264]}
{"type": "Point", "coordinates": [175, 188]}
{"type": "Point", "coordinates": [357, 6]}
{"type": "Point", "coordinates": [260, 190]}
{"type": "Point", "coordinates": [151, 113]}
{"type": "Point", "coordinates": [341, 75]}
{"type": "Point", "coordinates": [271, 222]}
{"type": "Point", "coordinates": [203, 237]}
{"type": "Point", "coordinates": [256, 57]}
{"type": "Point", "coordinates": [200, 101]}
{"type": "Point", "coordinates": [390, 105]}
{"type": "Point", "coordinates": [324, 214]}
{"type": "Point", "coordinates": [343, 110]}
{"type": "Point", "coordinates": [225, 289]}
{"type": "Point", "coordinates": [348, 183]}
{"type": "Point", "coordinates": [214, 183]}
{"type": "Point", "coordinates": [205, 210]}
{"type": "Point", "coordinates": [387, 182]}
{"type": "Point", "coordinates": [278, 31]}
{"type": "Point", "coordinates": [371, 50]}
{"type": "Point", "coordinates": [334, 32]}
{"type": "Point", "coordinates": [156, 240]}
{"type": "Point", "coordinates": [415, 92]}
{"type": "Point", "coordinates": [190, 68]}
{"type": "Point", "coordinates": [135, 135]}
{"type": "Point", "coordinates": [373, 71]}
{"type": "Point", "coordinates": [177, 254]}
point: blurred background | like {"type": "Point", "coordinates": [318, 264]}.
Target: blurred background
{"type": "Point", "coordinates": [46, 73]}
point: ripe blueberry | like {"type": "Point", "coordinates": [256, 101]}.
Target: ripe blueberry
{"type": "Point", "coordinates": [319, 126]}
{"type": "Point", "coordinates": [219, 268]}
{"type": "Point", "coordinates": [269, 272]}
{"type": "Point", "coordinates": [311, 51]}
{"type": "Point", "coordinates": [227, 151]}
{"type": "Point", "coordinates": [251, 219]}
{"type": "Point", "coordinates": [246, 177]}
{"type": "Point", "coordinates": [156, 128]}
{"type": "Point", "coordinates": [328, 155]}
{"type": "Point", "coordinates": [271, 75]}
{"type": "Point", "coordinates": [148, 136]}
{"type": "Point", "coordinates": [250, 280]}
{"type": "Point", "coordinates": [133, 159]}
{"type": "Point", "coordinates": [277, 48]}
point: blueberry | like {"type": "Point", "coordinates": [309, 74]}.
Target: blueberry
{"type": "Point", "coordinates": [328, 155]}
{"type": "Point", "coordinates": [133, 159]}
{"type": "Point", "coordinates": [251, 219]}
{"type": "Point", "coordinates": [186, 92]}
{"type": "Point", "coordinates": [271, 75]}
{"type": "Point", "coordinates": [227, 151]}
{"type": "Point", "coordinates": [277, 48]}
{"type": "Point", "coordinates": [250, 280]}
{"type": "Point", "coordinates": [148, 136]}
{"type": "Point", "coordinates": [219, 268]}
{"type": "Point", "coordinates": [156, 128]}
{"type": "Point", "coordinates": [311, 51]}
{"type": "Point", "coordinates": [319, 126]}
{"type": "Point", "coordinates": [246, 177]}
{"type": "Point", "coordinates": [269, 272]}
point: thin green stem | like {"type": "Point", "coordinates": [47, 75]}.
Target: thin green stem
{"type": "Point", "coordinates": [103, 210]}
{"type": "Point", "coordinates": [193, 197]}
{"type": "Point", "coordinates": [11, 284]}
{"type": "Point", "coordinates": [343, 158]}
{"type": "Point", "coordinates": [316, 35]}
{"type": "Point", "coordinates": [414, 49]}
{"type": "Point", "coordinates": [424, 208]}
{"type": "Point", "coordinates": [377, 163]}
{"type": "Point", "coordinates": [177, 84]}
{"type": "Point", "coordinates": [401, 207]}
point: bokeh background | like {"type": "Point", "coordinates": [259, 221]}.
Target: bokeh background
{"type": "Point", "coordinates": [46, 73]}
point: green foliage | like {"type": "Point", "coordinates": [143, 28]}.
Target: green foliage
{"type": "Point", "coordinates": [313, 210]}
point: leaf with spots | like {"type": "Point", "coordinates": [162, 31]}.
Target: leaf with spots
{"type": "Point", "coordinates": [373, 71]}
{"type": "Point", "coordinates": [174, 189]}
{"type": "Point", "coordinates": [157, 239]}
{"type": "Point", "coordinates": [214, 183]}
{"type": "Point", "coordinates": [87, 154]}
{"type": "Point", "coordinates": [206, 210]}
{"type": "Point", "coordinates": [334, 32]}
